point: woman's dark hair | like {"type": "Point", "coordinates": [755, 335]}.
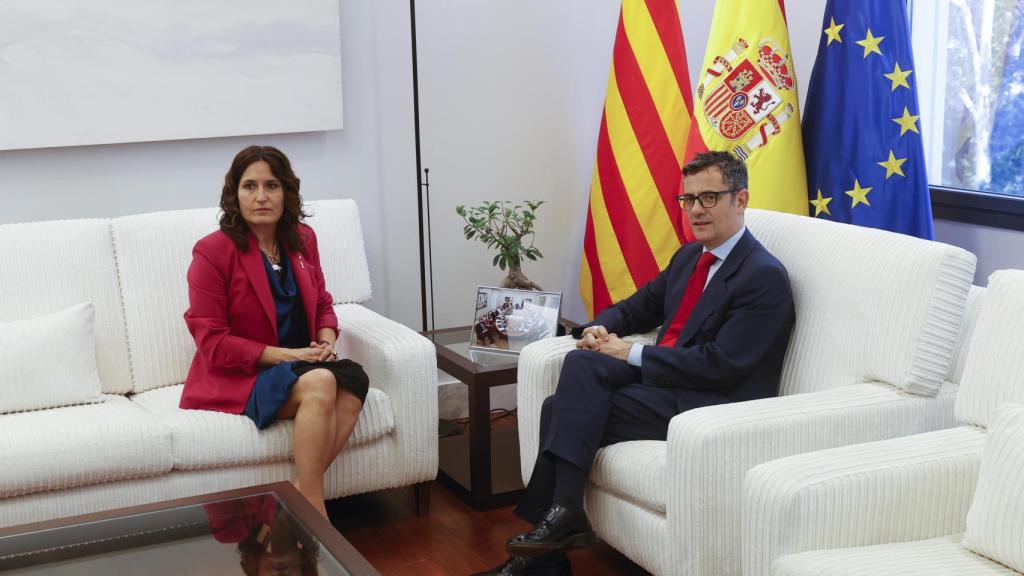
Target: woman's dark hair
{"type": "Point", "coordinates": [231, 221]}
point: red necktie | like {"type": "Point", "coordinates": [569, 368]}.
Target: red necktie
{"type": "Point", "coordinates": [694, 288]}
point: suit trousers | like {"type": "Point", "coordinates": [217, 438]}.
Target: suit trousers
{"type": "Point", "coordinates": [599, 401]}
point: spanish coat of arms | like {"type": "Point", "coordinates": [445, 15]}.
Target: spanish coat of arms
{"type": "Point", "coordinates": [744, 94]}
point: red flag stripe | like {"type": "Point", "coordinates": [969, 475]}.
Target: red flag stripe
{"type": "Point", "coordinates": [647, 124]}
{"type": "Point", "coordinates": [694, 145]}
{"type": "Point", "coordinates": [630, 235]}
{"type": "Point", "coordinates": [601, 297]}
{"type": "Point", "coordinates": [665, 14]}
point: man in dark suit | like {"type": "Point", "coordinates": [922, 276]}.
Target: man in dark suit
{"type": "Point", "coordinates": [726, 313]}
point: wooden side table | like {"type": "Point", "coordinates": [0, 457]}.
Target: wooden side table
{"type": "Point", "coordinates": [467, 463]}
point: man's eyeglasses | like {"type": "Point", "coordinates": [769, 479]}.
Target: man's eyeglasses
{"type": "Point", "coordinates": [706, 199]}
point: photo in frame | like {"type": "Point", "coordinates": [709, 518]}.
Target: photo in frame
{"type": "Point", "coordinates": [507, 319]}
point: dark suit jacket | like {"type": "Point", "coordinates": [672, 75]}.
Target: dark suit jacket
{"type": "Point", "coordinates": [734, 342]}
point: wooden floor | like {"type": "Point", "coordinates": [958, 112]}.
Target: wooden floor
{"type": "Point", "coordinates": [453, 540]}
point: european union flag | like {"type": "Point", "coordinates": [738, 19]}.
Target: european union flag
{"type": "Point", "coordinates": [862, 134]}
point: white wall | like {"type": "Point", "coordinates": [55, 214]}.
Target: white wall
{"type": "Point", "coordinates": [371, 160]}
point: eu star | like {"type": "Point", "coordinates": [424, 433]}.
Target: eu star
{"type": "Point", "coordinates": [833, 31]}
{"type": "Point", "coordinates": [899, 77]}
{"type": "Point", "coordinates": [859, 195]}
{"type": "Point", "coordinates": [907, 122]}
{"type": "Point", "coordinates": [893, 165]}
{"type": "Point", "coordinates": [870, 44]}
{"type": "Point", "coordinates": [821, 205]}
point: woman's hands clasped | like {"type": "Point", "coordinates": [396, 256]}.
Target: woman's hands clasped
{"type": "Point", "coordinates": [326, 350]}
{"type": "Point", "coordinates": [316, 352]}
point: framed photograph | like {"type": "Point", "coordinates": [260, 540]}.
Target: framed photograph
{"type": "Point", "coordinates": [505, 319]}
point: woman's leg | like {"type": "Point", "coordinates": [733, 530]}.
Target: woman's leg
{"type": "Point", "coordinates": [346, 413]}
{"type": "Point", "coordinates": [312, 405]}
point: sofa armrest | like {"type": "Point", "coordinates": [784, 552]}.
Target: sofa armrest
{"type": "Point", "coordinates": [711, 449]}
{"type": "Point", "coordinates": [403, 364]}
{"type": "Point", "coordinates": [897, 490]}
{"type": "Point", "coordinates": [539, 365]}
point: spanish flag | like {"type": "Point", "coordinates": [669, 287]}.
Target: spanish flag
{"type": "Point", "coordinates": [747, 102]}
{"type": "Point", "coordinates": [633, 221]}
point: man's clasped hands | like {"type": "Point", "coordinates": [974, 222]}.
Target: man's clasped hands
{"type": "Point", "coordinates": [598, 339]}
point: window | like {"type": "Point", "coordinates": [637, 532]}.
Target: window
{"type": "Point", "coordinates": [969, 56]}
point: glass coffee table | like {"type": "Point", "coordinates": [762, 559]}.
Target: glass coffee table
{"type": "Point", "coordinates": [267, 529]}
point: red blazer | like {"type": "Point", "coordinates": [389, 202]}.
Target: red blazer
{"type": "Point", "coordinates": [232, 317]}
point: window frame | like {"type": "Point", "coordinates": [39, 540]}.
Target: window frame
{"type": "Point", "coordinates": [978, 207]}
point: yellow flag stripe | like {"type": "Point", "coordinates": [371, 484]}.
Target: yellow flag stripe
{"type": "Point", "coordinates": [658, 75]}
{"type": "Point", "coordinates": [587, 286]}
{"type": "Point", "coordinates": [613, 265]}
{"type": "Point", "coordinates": [636, 176]}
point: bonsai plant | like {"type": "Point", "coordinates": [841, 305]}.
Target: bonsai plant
{"type": "Point", "coordinates": [505, 226]}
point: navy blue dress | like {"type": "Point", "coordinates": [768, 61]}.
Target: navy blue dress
{"type": "Point", "coordinates": [274, 384]}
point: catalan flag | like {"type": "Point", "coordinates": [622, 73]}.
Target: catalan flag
{"type": "Point", "coordinates": [865, 158]}
{"type": "Point", "coordinates": [747, 102]}
{"type": "Point", "coordinates": [633, 221]}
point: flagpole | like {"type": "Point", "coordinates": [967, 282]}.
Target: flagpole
{"type": "Point", "coordinates": [419, 170]}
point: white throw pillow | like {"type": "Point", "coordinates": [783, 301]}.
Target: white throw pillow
{"type": "Point", "coordinates": [49, 361]}
{"type": "Point", "coordinates": [995, 523]}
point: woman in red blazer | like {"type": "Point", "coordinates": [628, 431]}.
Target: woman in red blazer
{"type": "Point", "coordinates": [263, 321]}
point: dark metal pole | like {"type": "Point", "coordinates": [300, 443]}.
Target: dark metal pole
{"type": "Point", "coordinates": [430, 251]}
{"type": "Point", "coordinates": [419, 171]}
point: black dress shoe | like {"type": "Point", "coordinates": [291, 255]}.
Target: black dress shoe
{"type": "Point", "coordinates": [519, 566]}
{"type": "Point", "coordinates": [559, 529]}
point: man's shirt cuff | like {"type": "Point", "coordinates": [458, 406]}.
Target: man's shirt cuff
{"type": "Point", "coordinates": [635, 355]}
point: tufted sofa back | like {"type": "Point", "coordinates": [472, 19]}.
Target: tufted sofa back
{"type": "Point", "coordinates": [871, 305]}
{"type": "Point", "coordinates": [153, 255]}
{"type": "Point", "coordinates": [994, 368]}
{"type": "Point", "coordinates": [49, 266]}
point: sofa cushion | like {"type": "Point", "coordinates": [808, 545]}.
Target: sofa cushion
{"type": "Point", "coordinates": [49, 266]}
{"type": "Point", "coordinates": [153, 255]}
{"type": "Point", "coordinates": [871, 305]}
{"type": "Point", "coordinates": [634, 471]}
{"type": "Point", "coordinates": [995, 522]}
{"type": "Point", "coordinates": [154, 252]}
{"type": "Point", "coordinates": [81, 445]}
{"type": "Point", "coordinates": [935, 557]}
{"type": "Point", "coordinates": [49, 361]}
{"type": "Point", "coordinates": [994, 368]}
{"type": "Point", "coordinates": [208, 439]}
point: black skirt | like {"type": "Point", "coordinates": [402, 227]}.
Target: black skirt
{"type": "Point", "coordinates": [274, 385]}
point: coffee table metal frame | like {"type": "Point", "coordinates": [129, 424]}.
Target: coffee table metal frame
{"type": "Point", "coordinates": [298, 507]}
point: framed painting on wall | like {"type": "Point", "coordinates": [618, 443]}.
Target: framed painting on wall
{"type": "Point", "coordinates": [80, 73]}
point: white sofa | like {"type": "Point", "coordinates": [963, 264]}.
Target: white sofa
{"type": "Point", "coordinates": [874, 355]}
{"type": "Point", "coordinates": [913, 505]}
{"type": "Point", "coordinates": [134, 445]}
